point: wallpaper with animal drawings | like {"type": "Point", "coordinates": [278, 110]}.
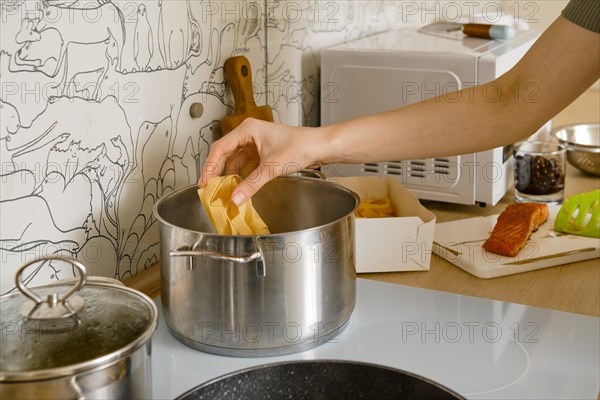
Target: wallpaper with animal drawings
{"type": "Point", "coordinates": [94, 111]}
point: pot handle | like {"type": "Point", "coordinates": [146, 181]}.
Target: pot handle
{"type": "Point", "coordinates": [256, 256]}
{"type": "Point", "coordinates": [55, 306]}
{"type": "Point", "coordinates": [309, 173]}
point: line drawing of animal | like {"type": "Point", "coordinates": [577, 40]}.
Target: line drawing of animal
{"type": "Point", "coordinates": [133, 87]}
{"type": "Point", "coordinates": [85, 58]}
{"type": "Point", "coordinates": [16, 83]}
{"type": "Point", "coordinates": [77, 155]}
{"type": "Point", "coordinates": [75, 24]}
{"type": "Point", "coordinates": [85, 84]}
{"type": "Point", "coordinates": [27, 33]}
{"type": "Point", "coordinates": [17, 139]}
{"type": "Point", "coordinates": [9, 120]}
{"type": "Point", "coordinates": [172, 39]}
{"type": "Point", "coordinates": [73, 58]}
{"type": "Point", "coordinates": [79, 59]}
{"type": "Point", "coordinates": [74, 120]}
{"type": "Point", "coordinates": [37, 224]}
{"type": "Point", "coordinates": [179, 33]}
{"type": "Point", "coordinates": [143, 42]}
{"type": "Point", "coordinates": [195, 44]}
{"type": "Point", "coordinates": [14, 182]}
{"type": "Point", "coordinates": [202, 65]}
{"type": "Point", "coordinates": [59, 190]}
{"type": "Point", "coordinates": [41, 55]}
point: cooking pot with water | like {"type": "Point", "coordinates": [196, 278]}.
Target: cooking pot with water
{"type": "Point", "coordinates": [260, 295]}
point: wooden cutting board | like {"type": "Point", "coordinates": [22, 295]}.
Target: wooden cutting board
{"type": "Point", "coordinates": [459, 242]}
{"type": "Point", "coordinates": [239, 78]}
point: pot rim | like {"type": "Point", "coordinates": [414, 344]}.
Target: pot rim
{"type": "Point", "coordinates": [95, 363]}
{"type": "Point", "coordinates": [211, 234]}
{"type": "Point", "coordinates": [318, 361]}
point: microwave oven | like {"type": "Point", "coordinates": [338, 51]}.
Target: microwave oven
{"type": "Point", "coordinates": [403, 66]}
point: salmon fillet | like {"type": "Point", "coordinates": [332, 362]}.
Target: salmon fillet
{"type": "Point", "coordinates": [514, 226]}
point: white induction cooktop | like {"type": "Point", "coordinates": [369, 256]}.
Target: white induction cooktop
{"type": "Point", "coordinates": [482, 349]}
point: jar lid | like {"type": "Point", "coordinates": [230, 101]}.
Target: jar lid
{"type": "Point", "coordinates": [65, 328]}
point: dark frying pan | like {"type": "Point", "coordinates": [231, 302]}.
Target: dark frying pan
{"type": "Point", "coordinates": [314, 380]}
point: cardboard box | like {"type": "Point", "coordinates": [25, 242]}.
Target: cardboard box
{"type": "Point", "coordinates": [402, 243]}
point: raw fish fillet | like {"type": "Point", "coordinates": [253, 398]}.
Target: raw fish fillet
{"type": "Point", "coordinates": [514, 226]}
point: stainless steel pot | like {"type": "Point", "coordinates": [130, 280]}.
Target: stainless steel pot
{"type": "Point", "coordinates": [260, 295]}
{"type": "Point", "coordinates": [74, 340]}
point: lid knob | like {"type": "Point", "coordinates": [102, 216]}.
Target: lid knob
{"type": "Point", "coordinates": [56, 305]}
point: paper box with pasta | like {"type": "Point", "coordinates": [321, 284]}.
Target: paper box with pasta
{"type": "Point", "coordinates": [402, 242]}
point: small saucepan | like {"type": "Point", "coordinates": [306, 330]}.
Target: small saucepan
{"type": "Point", "coordinates": [76, 339]}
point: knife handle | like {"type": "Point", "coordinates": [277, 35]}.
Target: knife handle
{"type": "Point", "coordinates": [239, 78]}
{"type": "Point", "coordinates": [488, 31]}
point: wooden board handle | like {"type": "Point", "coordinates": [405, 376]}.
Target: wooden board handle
{"type": "Point", "coordinates": [487, 31]}
{"type": "Point", "coordinates": [239, 77]}
{"type": "Point", "coordinates": [477, 30]}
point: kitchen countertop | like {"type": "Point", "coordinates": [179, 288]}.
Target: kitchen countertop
{"type": "Point", "coordinates": [574, 287]}
{"type": "Point", "coordinates": [480, 348]}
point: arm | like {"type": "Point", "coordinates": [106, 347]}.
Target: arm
{"type": "Point", "coordinates": [562, 64]}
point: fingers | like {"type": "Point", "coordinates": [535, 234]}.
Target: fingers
{"type": "Point", "coordinates": [255, 151]}
{"type": "Point", "coordinates": [249, 186]}
{"type": "Point", "coordinates": [208, 171]}
{"type": "Point", "coordinates": [236, 163]}
{"type": "Point", "coordinates": [243, 162]}
{"type": "Point", "coordinates": [231, 147]}
{"type": "Point", "coordinates": [220, 151]}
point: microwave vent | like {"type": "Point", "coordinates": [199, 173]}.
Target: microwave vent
{"type": "Point", "coordinates": [417, 168]}
{"type": "Point", "coordinates": [393, 168]}
{"type": "Point", "coordinates": [435, 171]}
{"type": "Point", "coordinates": [441, 166]}
{"type": "Point", "coordinates": [389, 168]}
{"type": "Point", "coordinates": [371, 167]}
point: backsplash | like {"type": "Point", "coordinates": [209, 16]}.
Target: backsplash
{"type": "Point", "coordinates": [94, 103]}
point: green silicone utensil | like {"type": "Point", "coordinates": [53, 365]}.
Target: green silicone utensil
{"type": "Point", "coordinates": [580, 215]}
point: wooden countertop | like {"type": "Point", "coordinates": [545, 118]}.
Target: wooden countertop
{"type": "Point", "coordinates": [574, 287]}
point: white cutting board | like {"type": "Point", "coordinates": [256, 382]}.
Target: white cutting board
{"type": "Point", "coordinates": [459, 242]}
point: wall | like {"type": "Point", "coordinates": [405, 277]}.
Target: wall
{"type": "Point", "coordinates": [95, 123]}
{"type": "Point", "coordinates": [94, 107]}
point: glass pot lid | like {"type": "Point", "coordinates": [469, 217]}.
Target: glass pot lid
{"type": "Point", "coordinates": [65, 328]}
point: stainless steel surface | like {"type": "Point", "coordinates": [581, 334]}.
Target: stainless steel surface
{"type": "Point", "coordinates": [101, 351]}
{"type": "Point", "coordinates": [55, 306]}
{"type": "Point", "coordinates": [308, 173]}
{"type": "Point", "coordinates": [583, 146]}
{"type": "Point", "coordinates": [298, 293]}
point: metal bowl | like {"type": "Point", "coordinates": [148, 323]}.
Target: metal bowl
{"type": "Point", "coordinates": [583, 146]}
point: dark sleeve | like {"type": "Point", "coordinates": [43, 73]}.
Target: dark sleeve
{"type": "Point", "coordinates": [585, 13]}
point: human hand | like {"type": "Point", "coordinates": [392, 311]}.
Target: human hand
{"type": "Point", "coordinates": [260, 151]}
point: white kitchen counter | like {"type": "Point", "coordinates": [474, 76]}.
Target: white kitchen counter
{"type": "Point", "coordinates": [480, 348]}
